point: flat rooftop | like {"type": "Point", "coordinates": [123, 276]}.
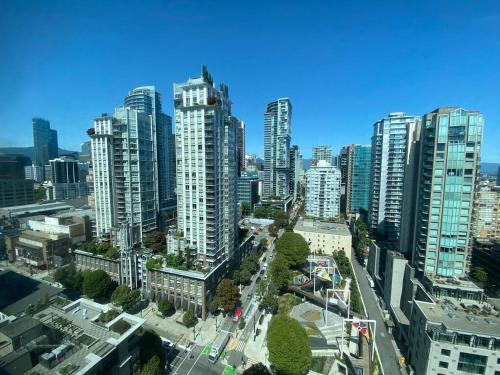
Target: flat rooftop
{"type": "Point", "coordinates": [316, 226]}
{"type": "Point", "coordinates": [31, 209]}
{"type": "Point", "coordinates": [458, 319]}
{"type": "Point", "coordinates": [91, 339]}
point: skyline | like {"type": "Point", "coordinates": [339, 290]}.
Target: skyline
{"type": "Point", "coordinates": [71, 77]}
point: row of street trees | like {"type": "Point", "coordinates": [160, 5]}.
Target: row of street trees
{"type": "Point", "coordinates": [361, 239]}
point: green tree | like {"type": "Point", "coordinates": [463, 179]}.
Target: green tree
{"type": "Point", "coordinates": [245, 276]}
{"type": "Point", "coordinates": [479, 274]}
{"type": "Point", "coordinates": [40, 194]}
{"type": "Point", "coordinates": [293, 247]}
{"type": "Point", "coordinates": [69, 277]}
{"type": "Point", "coordinates": [152, 367]}
{"type": "Point", "coordinates": [155, 237]}
{"type": "Point", "coordinates": [246, 210]}
{"type": "Point", "coordinates": [150, 345]}
{"type": "Point", "coordinates": [165, 306]}
{"type": "Point", "coordinates": [189, 319]}
{"type": "Point", "coordinates": [279, 272]}
{"type": "Point", "coordinates": [132, 299]}
{"type": "Point", "coordinates": [97, 284]}
{"type": "Point", "coordinates": [285, 333]}
{"type": "Point", "coordinates": [120, 295]}
{"type": "Point", "coordinates": [227, 295]}
{"type": "Point", "coordinates": [257, 369]}
{"type": "Point", "coordinates": [213, 306]}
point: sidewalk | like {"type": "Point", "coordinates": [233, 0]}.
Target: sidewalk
{"type": "Point", "coordinates": [257, 351]}
{"type": "Point", "coordinates": [170, 329]}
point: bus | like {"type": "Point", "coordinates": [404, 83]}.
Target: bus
{"type": "Point", "coordinates": [218, 346]}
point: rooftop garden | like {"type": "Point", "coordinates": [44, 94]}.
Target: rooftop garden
{"type": "Point", "coordinates": [104, 249]}
{"type": "Point", "coordinates": [176, 261]}
{"type": "Point", "coordinates": [108, 316]}
{"type": "Point", "coordinates": [120, 327]}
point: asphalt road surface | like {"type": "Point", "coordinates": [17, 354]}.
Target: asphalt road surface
{"type": "Point", "coordinates": [389, 360]}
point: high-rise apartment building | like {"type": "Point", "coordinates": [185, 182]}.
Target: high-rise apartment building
{"type": "Point", "coordinates": [277, 137]}
{"type": "Point", "coordinates": [124, 171]}
{"type": "Point", "coordinates": [323, 191]}
{"type": "Point", "coordinates": [389, 144]}
{"type": "Point", "coordinates": [358, 185]}
{"type": "Point", "coordinates": [240, 144]}
{"type": "Point", "coordinates": [296, 171]}
{"type": "Point", "coordinates": [206, 137]}
{"type": "Point", "coordinates": [64, 170]}
{"type": "Point", "coordinates": [147, 100]}
{"type": "Point", "coordinates": [44, 141]}
{"type": "Point", "coordinates": [323, 152]}
{"type": "Point", "coordinates": [343, 164]}
{"type": "Point", "coordinates": [450, 148]}
{"type": "Point", "coordinates": [486, 213]}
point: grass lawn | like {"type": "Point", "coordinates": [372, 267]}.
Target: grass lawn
{"type": "Point", "coordinates": [229, 371]}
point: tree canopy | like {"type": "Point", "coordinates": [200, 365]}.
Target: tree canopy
{"type": "Point", "coordinates": [69, 277]}
{"type": "Point", "coordinates": [279, 272]}
{"type": "Point", "coordinates": [150, 345]}
{"type": "Point", "coordinates": [257, 369]}
{"type": "Point", "coordinates": [97, 284]}
{"type": "Point", "coordinates": [294, 248]}
{"type": "Point", "coordinates": [227, 295]}
{"type": "Point", "coordinates": [165, 306]}
{"type": "Point", "coordinates": [285, 333]}
{"type": "Point", "coordinates": [189, 319]}
{"type": "Point", "coordinates": [152, 367]}
{"type": "Point", "coordinates": [480, 274]}
{"type": "Point", "coordinates": [120, 295]}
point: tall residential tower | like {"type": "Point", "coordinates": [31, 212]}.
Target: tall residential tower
{"type": "Point", "coordinates": [450, 149]}
{"type": "Point", "coordinates": [277, 137]}
{"type": "Point", "coordinates": [206, 170]}
{"type": "Point", "coordinates": [389, 144]}
{"type": "Point", "coordinates": [323, 191]}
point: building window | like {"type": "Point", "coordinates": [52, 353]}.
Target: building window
{"type": "Point", "coordinates": [445, 352]}
{"type": "Point", "coordinates": [443, 364]}
{"type": "Point", "coordinates": [472, 363]}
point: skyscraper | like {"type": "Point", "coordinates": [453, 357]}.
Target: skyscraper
{"type": "Point", "coordinates": [277, 137]}
{"type": "Point", "coordinates": [389, 144]}
{"type": "Point", "coordinates": [206, 169]}
{"type": "Point", "coordinates": [44, 141]}
{"type": "Point", "coordinates": [240, 133]}
{"type": "Point", "coordinates": [323, 191]}
{"type": "Point", "coordinates": [486, 213]}
{"type": "Point", "coordinates": [124, 172]}
{"type": "Point", "coordinates": [296, 171]}
{"type": "Point", "coordinates": [360, 172]}
{"type": "Point", "coordinates": [323, 152]}
{"type": "Point", "coordinates": [450, 148]}
{"type": "Point", "coordinates": [147, 100]}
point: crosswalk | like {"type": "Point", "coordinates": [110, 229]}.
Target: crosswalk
{"type": "Point", "coordinates": [236, 344]}
{"type": "Point", "coordinates": [250, 362]}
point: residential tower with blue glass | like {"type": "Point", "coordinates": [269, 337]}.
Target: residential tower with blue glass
{"type": "Point", "coordinates": [450, 149]}
{"type": "Point", "coordinates": [360, 178]}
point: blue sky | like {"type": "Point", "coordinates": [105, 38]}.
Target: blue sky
{"type": "Point", "coordinates": [344, 64]}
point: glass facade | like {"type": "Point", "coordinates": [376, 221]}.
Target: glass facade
{"type": "Point", "coordinates": [44, 141]}
{"type": "Point", "coordinates": [450, 156]}
{"type": "Point", "coordinates": [360, 177]}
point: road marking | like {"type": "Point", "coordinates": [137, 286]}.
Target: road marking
{"type": "Point", "coordinates": [194, 364]}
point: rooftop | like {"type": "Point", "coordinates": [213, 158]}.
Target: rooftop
{"type": "Point", "coordinates": [317, 226]}
{"type": "Point", "coordinates": [473, 319]}
{"type": "Point", "coordinates": [92, 340]}
{"type": "Point", "coordinates": [19, 326]}
{"type": "Point", "coordinates": [31, 209]}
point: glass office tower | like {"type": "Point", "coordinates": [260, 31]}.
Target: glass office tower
{"type": "Point", "coordinates": [450, 151]}
{"type": "Point", "coordinates": [360, 177]}
{"type": "Point", "coordinates": [44, 141]}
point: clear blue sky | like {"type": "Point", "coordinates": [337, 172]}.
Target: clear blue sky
{"type": "Point", "coordinates": [344, 64]}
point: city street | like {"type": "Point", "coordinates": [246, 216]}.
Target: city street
{"type": "Point", "coordinates": [389, 360]}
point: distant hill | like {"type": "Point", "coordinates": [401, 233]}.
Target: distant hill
{"type": "Point", "coordinates": [29, 151]}
{"type": "Point", "coordinates": [490, 168]}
